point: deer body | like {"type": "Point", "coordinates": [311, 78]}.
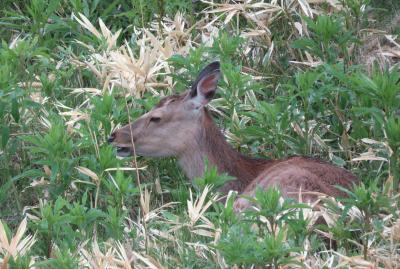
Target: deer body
{"type": "Point", "coordinates": [181, 126]}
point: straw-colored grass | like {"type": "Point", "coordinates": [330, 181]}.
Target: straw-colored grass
{"type": "Point", "coordinates": [142, 66]}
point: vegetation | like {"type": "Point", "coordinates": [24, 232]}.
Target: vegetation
{"type": "Point", "coordinates": [317, 78]}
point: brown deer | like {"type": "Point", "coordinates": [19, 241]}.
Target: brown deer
{"type": "Point", "coordinates": [181, 126]}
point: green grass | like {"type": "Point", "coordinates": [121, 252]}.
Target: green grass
{"type": "Point", "coordinates": [325, 91]}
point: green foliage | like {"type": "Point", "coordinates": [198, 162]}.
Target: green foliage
{"type": "Point", "coordinates": [244, 244]}
{"type": "Point", "coordinates": [13, 100]}
{"type": "Point", "coordinates": [64, 223]}
{"type": "Point", "coordinates": [55, 149]}
{"type": "Point", "coordinates": [326, 43]}
{"type": "Point", "coordinates": [270, 207]}
{"type": "Point", "coordinates": [371, 202]}
{"type": "Point", "coordinates": [56, 167]}
{"type": "Point", "coordinates": [212, 178]}
{"type": "Point", "coordinates": [62, 259]}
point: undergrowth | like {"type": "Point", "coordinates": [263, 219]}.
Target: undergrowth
{"type": "Point", "coordinates": [315, 78]}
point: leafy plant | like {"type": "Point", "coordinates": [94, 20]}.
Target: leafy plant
{"type": "Point", "coordinates": [212, 178]}
{"type": "Point", "coordinates": [265, 242]}
{"type": "Point", "coordinates": [299, 78]}
{"type": "Point", "coordinates": [326, 43]}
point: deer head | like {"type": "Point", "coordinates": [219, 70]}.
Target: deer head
{"type": "Point", "coordinates": [170, 128]}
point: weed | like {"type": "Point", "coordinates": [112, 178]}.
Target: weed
{"type": "Point", "coordinates": [295, 82]}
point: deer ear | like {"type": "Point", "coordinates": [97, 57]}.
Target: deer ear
{"type": "Point", "coordinates": [205, 86]}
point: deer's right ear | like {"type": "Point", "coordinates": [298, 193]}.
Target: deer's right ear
{"type": "Point", "coordinates": [205, 86]}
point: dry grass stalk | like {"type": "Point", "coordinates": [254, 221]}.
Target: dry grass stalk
{"type": "Point", "coordinates": [17, 246]}
{"type": "Point", "coordinates": [261, 14]}
{"type": "Point", "coordinates": [115, 255]}
{"type": "Point", "coordinates": [142, 68]}
{"type": "Point", "coordinates": [196, 211]}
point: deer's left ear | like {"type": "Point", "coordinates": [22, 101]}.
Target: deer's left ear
{"type": "Point", "coordinates": [205, 86]}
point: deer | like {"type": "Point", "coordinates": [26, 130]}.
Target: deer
{"type": "Point", "coordinates": [181, 126]}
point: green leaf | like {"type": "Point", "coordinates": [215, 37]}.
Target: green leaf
{"type": "Point", "coordinates": [2, 108]}
{"type": "Point", "coordinates": [15, 109]}
{"type": "Point", "coordinates": [4, 191]}
{"type": "Point", "coordinates": [32, 173]}
{"type": "Point", "coordinates": [5, 136]}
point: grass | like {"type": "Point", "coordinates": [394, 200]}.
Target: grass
{"type": "Point", "coordinates": [317, 78]}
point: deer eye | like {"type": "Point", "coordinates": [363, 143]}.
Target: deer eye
{"type": "Point", "coordinates": [155, 119]}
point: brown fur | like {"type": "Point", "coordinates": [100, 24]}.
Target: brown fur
{"type": "Point", "coordinates": [228, 160]}
{"type": "Point", "coordinates": [169, 99]}
{"type": "Point", "coordinates": [181, 126]}
{"type": "Point", "coordinates": [290, 175]}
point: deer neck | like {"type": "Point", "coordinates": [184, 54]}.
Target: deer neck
{"type": "Point", "coordinates": [210, 144]}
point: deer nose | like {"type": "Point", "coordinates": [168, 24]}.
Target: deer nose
{"type": "Point", "coordinates": [111, 138]}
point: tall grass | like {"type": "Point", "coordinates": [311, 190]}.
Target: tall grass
{"type": "Point", "coordinates": [316, 78]}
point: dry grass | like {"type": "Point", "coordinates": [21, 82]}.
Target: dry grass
{"type": "Point", "coordinates": [17, 246]}
{"type": "Point", "coordinates": [380, 49]}
{"type": "Point", "coordinates": [142, 67]}
{"type": "Point", "coordinates": [136, 69]}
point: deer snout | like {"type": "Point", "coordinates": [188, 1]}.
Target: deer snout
{"type": "Point", "coordinates": [111, 138]}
